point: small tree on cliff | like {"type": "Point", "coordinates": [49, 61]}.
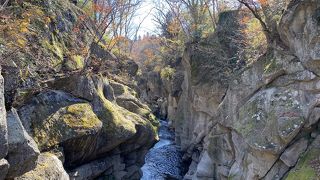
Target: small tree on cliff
{"type": "Point", "coordinates": [268, 13]}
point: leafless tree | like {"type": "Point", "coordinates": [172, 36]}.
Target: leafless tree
{"type": "Point", "coordinates": [3, 4]}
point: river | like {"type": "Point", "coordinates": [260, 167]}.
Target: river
{"type": "Point", "coordinates": [164, 160]}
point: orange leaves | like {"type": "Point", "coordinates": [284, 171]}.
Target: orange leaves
{"type": "Point", "coordinates": [174, 26]}
{"type": "Point", "coordinates": [245, 20]}
{"type": "Point", "coordinates": [148, 53]}
{"type": "Point", "coordinates": [81, 19]}
{"type": "Point", "coordinates": [101, 8]}
{"type": "Point", "coordinates": [263, 2]}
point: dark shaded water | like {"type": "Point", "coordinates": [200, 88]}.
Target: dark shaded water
{"type": "Point", "coordinates": [164, 160]}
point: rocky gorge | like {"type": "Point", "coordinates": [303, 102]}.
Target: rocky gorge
{"type": "Point", "coordinates": [264, 122]}
{"type": "Point", "coordinates": [261, 123]}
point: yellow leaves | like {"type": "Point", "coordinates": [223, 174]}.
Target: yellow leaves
{"type": "Point", "coordinates": [23, 27]}
{"type": "Point", "coordinates": [47, 20]}
{"type": "Point", "coordinates": [24, 74]}
{"type": "Point", "coordinates": [21, 42]}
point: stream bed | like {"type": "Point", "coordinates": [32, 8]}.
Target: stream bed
{"type": "Point", "coordinates": [164, 160]}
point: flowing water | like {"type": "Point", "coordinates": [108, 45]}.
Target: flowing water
{"type": "Point", "coordinates": [164, 160]}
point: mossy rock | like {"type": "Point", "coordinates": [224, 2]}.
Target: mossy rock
{"type": "Point", "coordinates": [69, 122]}
{"type": "Point", "coordinates": [305, 169]}
{"type": "Point", "coordinates": [120, 89]}
{"type": "Point", "coordinates": [114, 122]}
{"type": "Point", "coordinates": [119, 124]}
{"type": "Point", "coordinates": [48, 167]}
{"type": "Point", "coordinates": [75, 62]}
{"type": "Point", "coordinates": [273, 113]}
{"type": "Point", "coordinates": [135, 106]}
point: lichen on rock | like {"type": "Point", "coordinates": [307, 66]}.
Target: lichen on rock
{"type": "Point", "coordinates": [67, 123]}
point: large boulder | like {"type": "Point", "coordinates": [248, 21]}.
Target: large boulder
{"type": "Point", "coordinates": [48, 167]}
{"type": "Point", "coordinates": [127, 98]}
{"type": "Point", "coordinates": [23, 151]}
{"type": "Point", "coordinates": [70, 122]}
{"type": "Point", "coordinates": [54, 117]}
{"type": "Point", "coordinates": [91, 170]}
{"type": "Point", "coordinates": [85, 123]}
{"type": "Point", "coordinates": [104, 167]}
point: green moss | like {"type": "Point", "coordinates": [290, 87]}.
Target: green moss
{"type": "Point", "coordinates": [246, 122]}
{"type": "Point", "coordinates": [67, 123]}
{"type": "Point", "coordinates": [120, 89]}
{"type": "Point", "coordinates": [75, 62]}
{"type": "Point", "coordinates": [80, 116]}
{"type": "Point", "coordinates": [45, 167]}
{"type": "Point", "coordinates": [270, 66]}
{"type": "Point", "coordinates": [113, 118]}
{"type": "Point", "coordinates": [270, 63]}
{"type": "Point", "coordinates": [303, 170]}
{"type": "Point", "coordinates": [53, 47]}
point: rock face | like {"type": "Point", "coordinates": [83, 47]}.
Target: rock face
{"type": "Point", "coordinates": [4, 165]}
{"type": "Point", "coordinates": [88, 126]}
{"type": "Point", "coordinates": [63, 119]}
{"type": "Point", "coordinates": [152, 91]}
{"type": "Point", "coordinates": [23, 151]}
{"type": "Point", "coordinates": [48, 167]}
{"type": "Point", "coordinates": [262, 123]}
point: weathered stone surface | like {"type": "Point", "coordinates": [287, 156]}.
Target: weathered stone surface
{"type": "Point", "coordinates": [44, 105]}
{"type": "Point", "coordinates": [3, 122]}
{"type": "Point", "coordinates": [23, 151]}
{"type": "Point", "coordinates": [205, 167]}
{"type": "Point", "coordinates": [48, 167]}
{"type": "Point", "coordinates": [4, 167]}
{"type": "Point", "coordinates": [91, 170]}
{"type": "Point", "coordinates": [99, 52]}
{"type": "Point", "coordinates": [86, 124]}
{"type": "Point", "coordinates": [308, 166]}
{"type": "Point", "coordinates": [257, 126]}
{"type": "Point", "coordinates": [300, 31]}
{"type": "Point", "coordinates": [132, 67]}
{"type": "Point", "coordinates": [78, 86]}
{"type": "Point", "coordinates": [58, 118]}
{"type": "Point", "coordinates": [55, 117]}
{"type": "Point", "coordinates": [65, 108]}
{"type": "Point", "coordinates": [292, 154]}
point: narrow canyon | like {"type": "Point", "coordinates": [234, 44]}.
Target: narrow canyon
{"type": "Point", "coordinates": [70, 108]}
